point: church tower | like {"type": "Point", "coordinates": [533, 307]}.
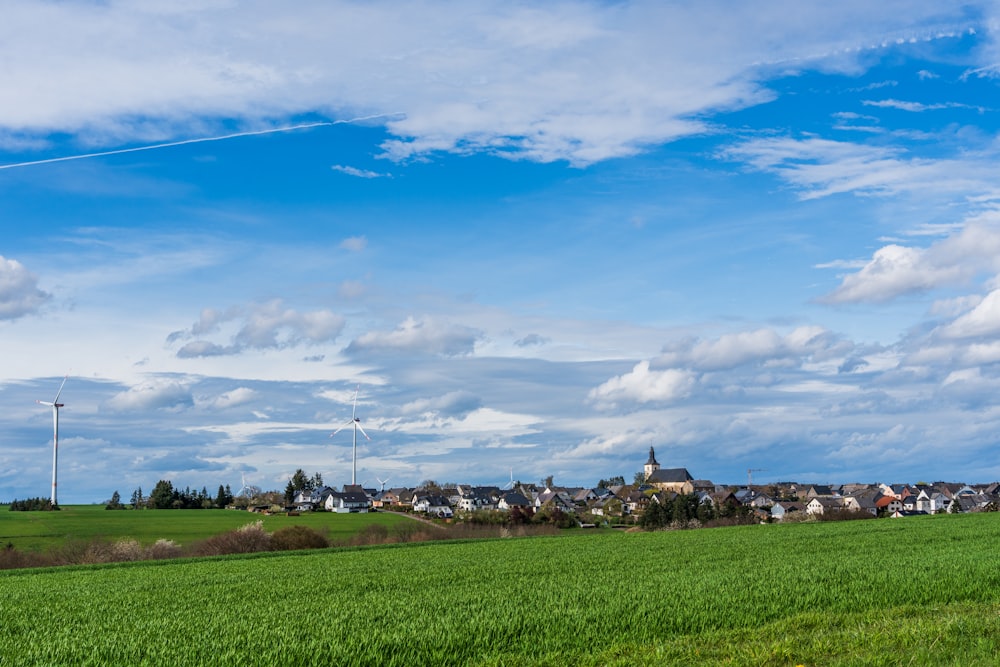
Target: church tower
{"type": "Point", "coordinates": [651, 465]}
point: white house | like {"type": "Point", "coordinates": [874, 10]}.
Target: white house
{"type": "Point", "coordinates": [351, 501]}
{"type": "Point", "coordinates": [823, 504]}
{"type": "Point", "coordinates": [434, 505]}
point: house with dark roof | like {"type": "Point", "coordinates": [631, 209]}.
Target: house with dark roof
{"type": "Point", "coordinates": [348, 501]}
{"type": "Point", "coordinates": [670, 479]}
{"type": "Point", "coordinates": [432, 504]}
{"type": "Point", "coordinates": [781, 509]}
{"type": "Point", "coordinates": [824, 504]}
{"type": "Point", "coordinates": [818, 490]}
{"type": "Point", "coordinates": [861, 502]}
{"type": "Point", "coordinates": [512, 499]}
{"type": "Point", "coordinates": [698, 486]}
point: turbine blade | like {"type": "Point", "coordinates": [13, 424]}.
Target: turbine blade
{"type": "Point", "coordinates": [60, 389]}
{"type": "Point", "coordinates": [362, 431]}
{"type": "Point", "coordinates": [355, 408]}
{"type": "Point", "coordinates": [341, 428]}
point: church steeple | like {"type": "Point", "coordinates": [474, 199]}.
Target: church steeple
{"type": "Point", "coordinates": [651, 465]}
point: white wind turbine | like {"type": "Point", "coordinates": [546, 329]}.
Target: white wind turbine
{"type": "Point", "coordinates": [357, 427]}
{"type": "Point", "coordinates": [55, 405]}
{"type": "Point", "coordinates": [382, 483]}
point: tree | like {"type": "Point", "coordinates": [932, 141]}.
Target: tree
{"type": "Point", "coordinates": [706, 512]}
{"type": "Point", "coordinates": [137, 499]}
{"type": "Point", "coordinates": [115, 503]}
{"type": "Point", "coordinates": [613, 507]}
{"type": "Point", "coordinates": [639, 478]}
{"type": "Point", "coordinates": [223, 498]}
{"type": "Point", "coordinates": [655, 516]}
{"type": "Point", "coordinates": [300, 482]}
{"type": "Point", "coordinates": [162, 496]}
{"type": "Point", "coordinates": [289, 493]}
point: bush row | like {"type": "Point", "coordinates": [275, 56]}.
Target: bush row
{"type": "Point", "coordinates": [250, 538]}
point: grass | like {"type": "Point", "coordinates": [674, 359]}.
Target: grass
{"type": "Point", "coordinates": [907, 592]}
{"type": "Point", "coordinates": [40, 531]}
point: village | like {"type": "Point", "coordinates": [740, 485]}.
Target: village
{"type": "Point", "coordinates": [623, 504]}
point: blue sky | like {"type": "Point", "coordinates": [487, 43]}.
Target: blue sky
{"type": "Point", "coordinates": [541, 238]}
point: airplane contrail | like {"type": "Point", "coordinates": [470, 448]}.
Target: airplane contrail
{"type": "Point", "coordinates": [184, 142]}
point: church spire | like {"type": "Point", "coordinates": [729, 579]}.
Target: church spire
{"type": "Point", "coordinates": [651, 465]}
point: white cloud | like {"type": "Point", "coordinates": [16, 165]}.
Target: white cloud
{"type": "Point", "coordinates": [981, 320]}
{"type": "Point", "coordinates": [19, 293]}
{"type": "Point", "coordinates": [453, 403]}
{"type": "Point", "coordinates": [269, 325]}
{"type": "Point", "coordinates": [642, 385]}
{"type": "Point", "coordinates": [916, 106]}
{"type": "Point", "coordinates": [156, 393]}
{"type": "Point", "coordinates": [561, 81]}
{"type": "Point", "coordinates": [354, 243]}
{"type": "Point", "coordinates": [426, 335]}
{"type": "Point", "coordinates": [822, 167]}
{"type": "Point", "coordinates": [359, 173]}
{"type": "Point", "coordinates": [236, 397]}
{"type": "Point", "coordinates": [895, 270]}
{"type": "Point", "coordinates": [761, 346]}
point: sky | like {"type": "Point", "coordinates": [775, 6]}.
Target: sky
{"type": "Point", "coordinates": [533, 239]}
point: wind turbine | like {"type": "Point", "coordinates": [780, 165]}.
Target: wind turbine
{"type": "Point", "coordinates": [382, 483]}
{"type": "Point", "coordinates": [357, 427]}
{"type": "Point", "coordinates": [55, 405]}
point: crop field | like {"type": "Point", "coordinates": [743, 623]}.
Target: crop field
{"type": "Point", "coordinates": [36, 531]}
{"type": "Point", "coordinates": [908, 592]}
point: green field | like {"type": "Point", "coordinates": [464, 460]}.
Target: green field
{"type": "Point", "coordinates": [38, 531]}
{"type": "Point", "coordinates": [908, 592]}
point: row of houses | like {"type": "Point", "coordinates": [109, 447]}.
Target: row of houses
{"type": "Point", "coordinates": [895, 500]}
{"type": "Point", "coordinates": [775, 501]}
{"type": "Point", "coordinates": [444, 502]}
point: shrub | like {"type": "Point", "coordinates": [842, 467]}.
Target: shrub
{"type": "Point", "coordinates": [297, 537]}
{"type": "Point", "coordinates": [162, 549]}
{"type": "Point", "coordinates": [248, 539]}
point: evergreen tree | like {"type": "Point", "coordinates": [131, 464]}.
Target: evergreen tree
{"type": "Point", "coordinates": [300, 482]}
{"type": "Point", "coordinates": [162, 496]}
{"type": "Point", "coordinates": [137, 499]}
{"type": "Point", "coordinates": [115, 503]}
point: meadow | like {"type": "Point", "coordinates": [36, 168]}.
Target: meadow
{"type": "Point", "coordinates": [921, 591]}
{"type": "Point", "coordinates": [39, 531]}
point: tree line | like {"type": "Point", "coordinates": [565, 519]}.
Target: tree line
{"type": "Point", "coordinates": [684, 510]}
{"type": "Point", "coordinates": [33, 505]}
{"type": "Point", "coordinates": [165, 496]}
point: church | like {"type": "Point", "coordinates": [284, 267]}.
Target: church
{"type": "Point", "coordinates": [666, 479]}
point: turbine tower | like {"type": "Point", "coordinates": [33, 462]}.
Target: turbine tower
{"type": "Point", "coordinates": [356, 423]}
{"type": "Point", "coordinates": [55, 405]}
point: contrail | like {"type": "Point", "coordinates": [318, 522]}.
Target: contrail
{"type": "Point", "coordinates": [184, 142]}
